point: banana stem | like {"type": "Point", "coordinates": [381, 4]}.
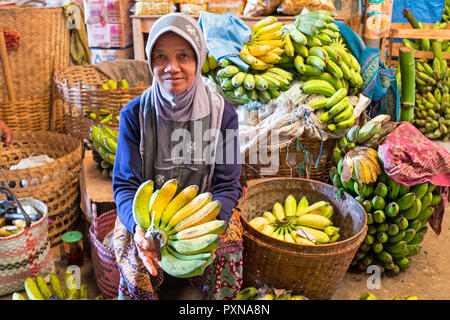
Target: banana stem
{"type": "Point", "coordinates": [411, 19]}
{"type": "Point", "coordinates": [408, 87]}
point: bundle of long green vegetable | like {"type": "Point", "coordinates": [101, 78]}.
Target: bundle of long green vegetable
{"type": "Point", "coordinates": [432, 97]}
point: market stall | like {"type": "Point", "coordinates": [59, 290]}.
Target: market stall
{"type": "Point", "coordinates": [339, 171]}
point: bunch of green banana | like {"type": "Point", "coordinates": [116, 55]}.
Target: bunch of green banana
{"type": "Point", "coordinates": [445, 17]}
{"type": "Point", "coordinates": [184, 224]}
{"type": "Point", "coordinates": [241, 87]}
{"type": "Point", "coordinates": [38, 289]}
{"type": "Point", "coordinates": [265, 46]}
{"type": "Point", "coordinates": [397, 214]}
{"type": "Point", "coordinates": [432, 109]}
{"type": "Point", "coordinates": [299, 223]}
{"type": "Point", "coordinates": [371, 296]}
{"type": "Point", "coordinates": [104, 145]}
{"type": "Point", "coordinates": [266, 293]}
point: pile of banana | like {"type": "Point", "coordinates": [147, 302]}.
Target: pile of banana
{"type": "Point", "coordinates": [299, 223]}
{"type": "Point", "coordinates": [37, 289]}
{"type": "Point", "coordinates": [266, 293]}
{"type": "Point", "coordinates": [432, 109]}
{"type": "Point", "coordinates": [371, 296]}
{"type": "Point", "coordinates": [184, 225]}
{"type": "Point", "coordinates": [397, 214]}
{"type": "Point", "coordinates": [104, 143]}
{"type": "Point", "coordinates": [105, 115]}
{"type": "Point", "coordinates": [326, 66]}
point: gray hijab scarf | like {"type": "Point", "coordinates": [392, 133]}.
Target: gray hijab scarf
{"type": "Point", "coordinates": [192, 104]}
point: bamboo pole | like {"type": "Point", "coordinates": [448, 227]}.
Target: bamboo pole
{"type": "Point", "coordinates": [408, 83]}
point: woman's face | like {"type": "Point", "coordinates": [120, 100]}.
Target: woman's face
{"type": "Point", "coordinates": [173, 63]}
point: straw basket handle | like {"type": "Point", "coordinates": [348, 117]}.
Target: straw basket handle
{"type": "Point", "coordinates": [6, 67]}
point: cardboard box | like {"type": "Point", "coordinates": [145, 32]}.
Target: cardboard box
{"type": "Point", "coordinates": [109, 35]}
{"type": "Point", "coordinates": [107, 11]}
{"type": "Point", "coordinates": [101, 54]}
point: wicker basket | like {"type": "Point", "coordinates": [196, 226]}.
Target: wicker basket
{"type": "Point", "coordinates": [292, 162]}
{"type": "Point", "coordinates": [55, 183]}
{"type": "Point", "coordinates": [313, 271]}
{"type": "Point", "coordinates": [80, 89]}
{"type": "Point", "coordinates": [29, 98]}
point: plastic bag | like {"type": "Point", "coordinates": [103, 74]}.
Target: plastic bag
{"type": "Point", "coordinates": [154, 7]}
{"type": "Point", "coordinates": [294, 7]}
{"type": "Point", "coordinates": [31, 162]}
{"type": "Point", "coordinates": [223, 6]}
{"type": "Point", "coordinates": [225, 35]}
{"type": "Point", "coordinates": [257, 8]}
{"type": "Point", "coordinates": [193, 8]}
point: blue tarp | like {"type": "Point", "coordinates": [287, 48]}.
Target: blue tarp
{"type": "Point", "coordinates": [425, 11]}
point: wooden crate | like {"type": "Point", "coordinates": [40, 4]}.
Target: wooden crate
{"type": "Point", "coordinates": [390, 49]}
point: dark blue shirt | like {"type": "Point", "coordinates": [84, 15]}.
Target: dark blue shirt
{"type": "Point", "coordinates": [128, 165]}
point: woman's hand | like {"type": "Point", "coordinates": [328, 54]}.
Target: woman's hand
{"type": "Point", "coordinates": [5, 133]}
{"type": "Point", "coordinates": [149, 257]}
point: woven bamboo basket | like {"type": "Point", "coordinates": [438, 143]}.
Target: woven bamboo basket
{"type": "Point", "coordinates": [55, 183]}
{"type": "Point", "coordinates": [28, 97]}
{"type": "Point", "coordinates": [313, 271]}
{"type": "Point", "coordinates": [80, 89]}
{"type": "Point", "coordinates": [292, 163]}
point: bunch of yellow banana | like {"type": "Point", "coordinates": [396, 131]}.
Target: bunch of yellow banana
{"type": "Point", "coordinates": [241, 87]}
{"type": "Point", "coordinates": [185, 224]}
{"type": "Point", "coordinates": [265, 46]}
{"type": "Point", "coordinates": [210, 64]}
{"type": "Point", "coordinates": [299, 223]}
{"type": "Point", "coordinates": [104, 145]}
{"type": "Point", "coordinates": [37, 289]}
{"type": "Point", "coordinates": [7, 229]}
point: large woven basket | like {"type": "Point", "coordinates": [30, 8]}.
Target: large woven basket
{"type": "Point", "coordinates": [55, 183]}
{"type": "Point", "coordinates": [80, 89]}
{"type": "Point", "coordinates": [292, 162]}
{"type": "Point", "coordinates": [43, 50]}
{"type": "Point", "coordinates": [313, 271]}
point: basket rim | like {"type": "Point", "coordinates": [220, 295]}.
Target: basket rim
{"type": "Point", "coordinates": [327, 245]}
{"type": "Point", "coordinates": [57, 161]}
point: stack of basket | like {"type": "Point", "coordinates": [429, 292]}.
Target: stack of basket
{"type": "Point", "coordinates": [28, 99]}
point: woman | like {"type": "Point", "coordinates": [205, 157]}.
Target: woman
{"type": "Point", "coordinates": [147, 149]}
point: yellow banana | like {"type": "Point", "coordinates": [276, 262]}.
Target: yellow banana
{"type": "Point", "coordinates": [268, 230]}
{"type": "Point", "coordinates": [313, 221]}
{"type": "Point", "coordinates": [270, 58]}
{"type": "Point", "coordinates": [212, 62]}
{"type": "Point", "coordinates": [302, 205]}
{"type": "Point", "coordinates": [278, 211]}
{"type": "Point", "coordinates": [43, 288]}
{"type": "Point", "coordinates": [180, 200]}
{"type": "Point", "coordinates": [290, 206]}
{"type": "Point", "coordinates": [56, 287]}
{"type": "Point", "coordinates": [141, 209]}
{"type": "Point", "coordinates": [258, 223]}
{"type": "Point", "coordinates": [259, 50]}
{"type": "Point", "coordinates": [210, 227]}
{"type": "Point", "coordinates": [318, 235]}
{"type": "Point", "coordinates": [84, 292]}
{"type": "Point", "coordinates": [311, 208]}
{"type": "Point", "coordinates": [193, 206]}
{"type": "Point", "coordinates": [269, 217]}
{"type": "Point", "coordinates": [260, 65]}
{"type": "Point", "coordinates": [245, 55]}
{"type": "Point", "coordinates": [274, 43]}
{"type": "Point", "coordinates": [300, 240]}
{"type": "Point", "coordinates": [207, 213]}
{"type": "Point", "coordinates": [18, 296]}
{"type": "Point", "coordinates": [205, 67]}
{"type": "Point", "coordinates": [163, 198]}
{"type": "Point", "coordinates": [266, 21]}
{"type": "Point", "coordinates": [276, 35]}
{"type": "Point", "coordinates": [269, 29]}
{"type": "Point", "coordinates": [32, 289]}
{"type": "Point", "coordinates": [288, 45]}
{"type": "Point", "coordinates": [277, 51]}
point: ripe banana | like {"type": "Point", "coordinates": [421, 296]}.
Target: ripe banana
{"type": "Point", "coordinates": [181, 199]}
{"type": "Point", "coordinates": [206, 213]}
{"type": "Point", "coordinates": [141, 209]}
